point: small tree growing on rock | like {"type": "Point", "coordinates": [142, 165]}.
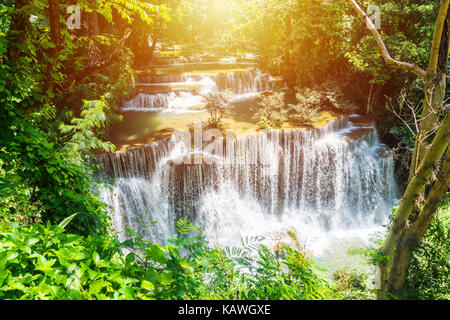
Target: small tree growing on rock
{"type": "Point", "coordinates": [216, 103]}
{"type": "Point", "coordinates": [307, 107]}
{"type": "Point", "coordinates": [272, 112]}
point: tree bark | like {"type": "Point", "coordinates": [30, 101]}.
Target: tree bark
{"type": "Point", "coordinates": [289, 72]}
{"type": "Point", "coordinates": [435, 198]}
{"type": "Point", "coordinates": [435, 87]}
{"type": "Point", "coordinates": [153, 48]}
{"type": "Point", "coordinates": [412, 235]}
{"type": "Point", "coordinates": [428, 164]}
{"type": "Point", "coordinates": [94, 28]}
{"type": "Point", "coordinates": [403, 238]}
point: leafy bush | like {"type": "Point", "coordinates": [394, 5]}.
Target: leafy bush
{"type": "Point", "coordinates": [249, 272]}
{"type": "Point", "coordinates": [307, 108]}
{"type": "Point", "coordinates": [46, 262]}
{"type": "Point", "coordinates": [47, 136]}
{"type": "Point", "coordinates": [42, 184]}
{"type": "Point", "coordinates": [272, 111]}
{"type": "Point", "coordinates": [264, 123]}
{"type": "Point", "coordinates": [216, 103]}
{"type": "Point", "coordinates": [351, 285]}
{"type": "Point", "coordinates": [429, 272]}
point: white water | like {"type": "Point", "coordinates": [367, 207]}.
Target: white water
{"type": "Point", "coordinates": [241, 84]}
{"type": "Point", "coordinates": [319, 184]}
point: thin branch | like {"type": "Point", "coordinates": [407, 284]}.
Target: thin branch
{"type": "Point", "coordinates": [392, 109]}
{"type": "Point", "coordinates": [414, 113]}
{"type": "Point", "coordinates": [429, 134]}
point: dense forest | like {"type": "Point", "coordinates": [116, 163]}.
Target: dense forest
{"type": "Point", "coordinates": [68, 67]}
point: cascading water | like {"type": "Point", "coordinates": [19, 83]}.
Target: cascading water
{"type": "Point", "coordinates": [184, 91]}
{"type": "Point", "coordinates": [330, 186]}
{"type": "Point", "coordinates": [319, 183]}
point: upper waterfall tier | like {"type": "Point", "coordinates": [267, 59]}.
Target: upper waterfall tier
{"type": "Point", "coordinates": [311, 180]}
{"type": "Point", "coordinates": [181, 87]}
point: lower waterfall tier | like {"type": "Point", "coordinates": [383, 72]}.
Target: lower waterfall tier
{"type": "Point", "coordinates": [315, 182]}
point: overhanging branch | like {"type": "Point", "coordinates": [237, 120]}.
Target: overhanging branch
{"type": "Point", "coordinates": [384, 51]}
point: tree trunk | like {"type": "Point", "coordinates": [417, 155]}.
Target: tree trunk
{"type": "Point", "coordinates": [400, 264]}
{"type": "Point", "coordinates": [399, 245]}
{"type": "Point", "coordinates": [411, 236]}
{"type": "Point", "coordinates": [153, 48]}
{"type": "Point", "coordinates": [290, 75]}
{"type": "Point", "coordinates": [113, 59]}
{"type": "Point", "coordinates": [435, 87]}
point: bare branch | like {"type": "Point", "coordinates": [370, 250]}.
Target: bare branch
{"type": "Point", "coordinates": [392, 109]}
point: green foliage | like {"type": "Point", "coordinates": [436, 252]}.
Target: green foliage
{"type": "Point", "coordinates": [130, 9]}
{"type": "Point", "coordinates": [307, 108]}
{"type": "Point", "coordinates": [45, 262]}
{"type": "Point", "coordinates": [251, 272]}
{"type": "Point", "coordinates": [41, 184]}
{"type": "Point", "coordinates": [352, 285]}
{"type": "Point", "coordinates": [404, 135]}
{"type": "Point", "coordinates": [407, 31]}
{"type": "Point", "coordinates": [429, 272]}
{"type": "Point", "coordinates": [272, 111]}
{"type": "Point", "coordinates": [82, 131]}
{"type": "Point", "coordinates": [47, 139]}
{"type": "Point", "coordinates": [291, 277]}
{"type": "Point", "coordinates": [264, 123]}
{"type": "Point", "coordinates": [184, 227]}
{"type": "Point", "coordinates": [216, 104]}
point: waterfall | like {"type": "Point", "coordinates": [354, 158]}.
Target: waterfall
{"type": "Point", "coordinates": [317, 182]}
{"type": "Point", "coordinates": [171, 101]}
{"type": "Point", "coordinates": [184, 91]}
